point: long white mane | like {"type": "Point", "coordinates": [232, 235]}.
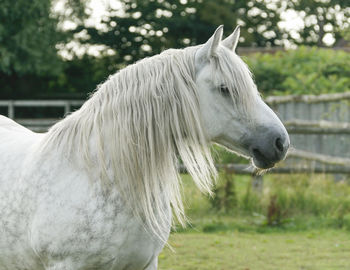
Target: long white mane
{"type": "Point", "coordinates": [143, 117]}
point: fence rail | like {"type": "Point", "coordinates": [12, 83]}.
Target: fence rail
{"type": "Point", "coordinates": [312, 127]}
{"type": "Point", "coordinates": [320, 125]}
{"type": "Point", "coordinates": [246, 169]}
{"type": "Point", "coordinates": [11, 104]}
{"type": "Point", "coordinates": [297, 126]}
{"type": "Point", "coordinates": [307, 98]}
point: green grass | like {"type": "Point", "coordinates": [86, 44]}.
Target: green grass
{"type": "Point", "coordinates": [311, 250]}
{"type": "Point", "coordinates": [300, 202]}
{"type": "Point", "coordinates": [313, 232]}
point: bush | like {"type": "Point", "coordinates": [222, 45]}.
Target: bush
{"type": "Point", "coordinates": [301, 71]}
{"type": "Point", "coordinates": [225, 194]}
{"type": "Point", "coordinates": [286, 200]}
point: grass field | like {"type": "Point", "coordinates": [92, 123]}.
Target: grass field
{"type": "Point", "coordinates": [314, 234]}
{"type": "Point", "coordinates": [311, 250]}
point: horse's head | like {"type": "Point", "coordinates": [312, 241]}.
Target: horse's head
{"type": "Point", "coordinates": [233, 113]}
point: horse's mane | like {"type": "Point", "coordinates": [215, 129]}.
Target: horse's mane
{"type": "Point", "coordinates": [143, 118]}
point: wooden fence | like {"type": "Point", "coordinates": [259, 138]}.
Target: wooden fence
{"type": "Point", "coordinates": [319, 125]}
{"type": "Point", "coordinates": [319, 128]}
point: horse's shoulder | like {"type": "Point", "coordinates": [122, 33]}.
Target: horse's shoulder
{"type": "Point", "coordinates": [7, 124]}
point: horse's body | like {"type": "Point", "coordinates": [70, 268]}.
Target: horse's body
{"type": "Point", "coordinates": [98, 190]}
{"type": "Point", "coordinates": [44, 220]}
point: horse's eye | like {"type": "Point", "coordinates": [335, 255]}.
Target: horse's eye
{"type": "Point", "coordinates": [224, 90]}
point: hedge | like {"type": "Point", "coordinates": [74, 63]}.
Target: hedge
{"type": "Point", "coordinates": [301, 71]}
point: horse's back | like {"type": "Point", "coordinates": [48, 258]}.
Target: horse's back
{"type": "Point", "coordinates": [10, 131]}
{"type": "Point", "coordinates": [8, 125]}
{"type": "Point", "coordinates": [16, 144]}
{"type": "Point", "coordinates": [16, 148]}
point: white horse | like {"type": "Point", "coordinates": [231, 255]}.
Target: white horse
{"type": "Point", "coordinates": [99, 189]}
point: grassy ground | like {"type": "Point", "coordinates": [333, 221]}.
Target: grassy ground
{"type": "Point", "coordinates": [313, 233]}
{"type": "Point", "coordinates": [311, 250]}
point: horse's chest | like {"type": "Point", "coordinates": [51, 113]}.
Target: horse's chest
{"type": "Point", "coordinates": [128, 246]}
{"type": "Point", "coordinates": [94, 233]}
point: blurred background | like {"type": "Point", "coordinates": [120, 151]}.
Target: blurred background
{"type": "Point", "coordinates": [54, 53]}
{"type": "Point", "coordinates": [64, 48]}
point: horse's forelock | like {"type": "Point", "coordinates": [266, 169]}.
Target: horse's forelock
{"type": "Point", "coordinates": [231, 70]}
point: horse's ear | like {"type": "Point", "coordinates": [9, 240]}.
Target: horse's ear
{"type": "Point", "coordinates": [209, 48]}
{"type": "Point", "coordinates": [232, 40]}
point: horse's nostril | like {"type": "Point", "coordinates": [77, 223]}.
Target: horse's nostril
{"type": "Point", "coordinates": [279, 145]}
{"type": "Point", "coordinates": [257, 154]}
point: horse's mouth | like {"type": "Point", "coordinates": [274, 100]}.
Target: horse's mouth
{"type": "Point", "coordinates": [261, 161]}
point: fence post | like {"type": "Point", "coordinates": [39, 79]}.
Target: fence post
{"type": "Point", "coordinates": [257, 183]}
{"type": "Point", "coordinates": [67, 108]}
{"type": "Point", "coordinates": [11, 110]}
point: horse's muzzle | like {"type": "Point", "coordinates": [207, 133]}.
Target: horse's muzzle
{"type": "Point", "coordinates": [269, 147]}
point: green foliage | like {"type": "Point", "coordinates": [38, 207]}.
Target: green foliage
{"type": "Point", "coordinates": [223, 156]}
{"type": "Point", "coordinates": [147, 27]}
{"type": "Point", "coordinates": [225, 194]}
{"type": "Point", "coordinates": [292, 202]}
{"type": "Point", "coordinates": [320, 18]}
{"type": "Point", "coordinates": [81, 76]}
{"type": "Point", "coordinates": [28, 36]}
{"type": "Point", "coordinates": [298, 195]}
{"type": "Point", "coordinates": [301, 71]}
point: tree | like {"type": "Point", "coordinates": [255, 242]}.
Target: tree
{"type": "Point", "coordinates": [28, 37]}
{"type": "Point", "coordinates": [321, 17]}
{"type": "Point", "coordinates": [143, 28]}
{"type": "Point", "coordinates": [29, 34]}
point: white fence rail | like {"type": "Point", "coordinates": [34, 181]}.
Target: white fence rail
{"type": "Point", "coordinates": [12, 104]}
{"type": "Point", "coordinates": [38, 124]}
